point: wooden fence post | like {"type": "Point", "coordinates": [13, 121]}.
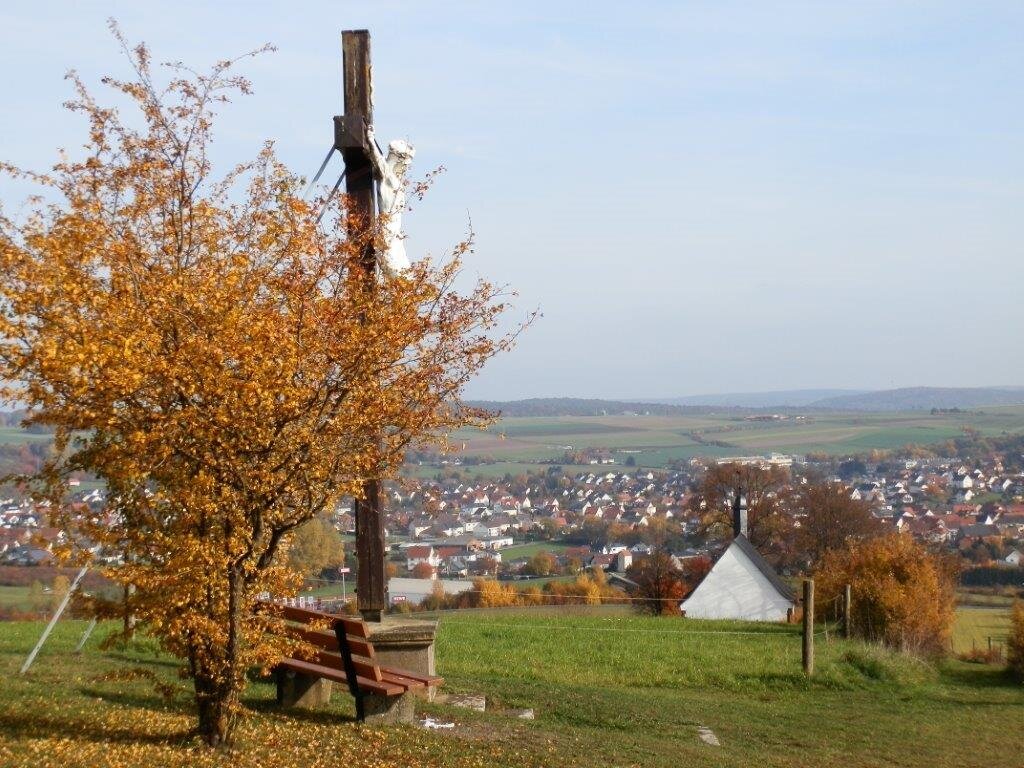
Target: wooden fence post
{"type": "Point", "coordinates": [808, 647]}
{"type": "Point", "coordinates": [847, 618]}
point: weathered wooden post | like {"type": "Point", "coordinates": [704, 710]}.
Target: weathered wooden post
{"type": "Point", "coordinates": [808, 647]}
{"type": "Point", "coordinates": [847, 617]}
{"type": "Point", "coordinates": [350, 140]}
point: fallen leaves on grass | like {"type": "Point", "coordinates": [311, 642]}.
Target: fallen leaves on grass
{"type": "Point", "coordinates": [112, 735]}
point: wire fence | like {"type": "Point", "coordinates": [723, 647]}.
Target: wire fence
{"type": "Point", "coordinates": [771, 630]}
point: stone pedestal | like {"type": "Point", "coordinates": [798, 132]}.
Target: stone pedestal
{"type": "Point", "coordinates": [405, 643]}
{"type": "Point", "coordinates": [295, 689]}
{"type": "Point", "coordinates": [388, 710]}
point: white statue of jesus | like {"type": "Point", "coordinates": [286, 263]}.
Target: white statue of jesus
{"type": "Point", "coordinates": [390, 173]}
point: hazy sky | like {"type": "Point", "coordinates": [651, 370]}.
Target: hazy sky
{"type": "Point", "coordinates": [700, 197]}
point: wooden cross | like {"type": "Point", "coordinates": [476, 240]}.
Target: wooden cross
{"type": "Point", "coordinates": [349, 140]}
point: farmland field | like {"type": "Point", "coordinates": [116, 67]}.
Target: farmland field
{"type": "Point", "coordinates": [17, 435]}
{"type": "Point", "coordinates": [517, 444]}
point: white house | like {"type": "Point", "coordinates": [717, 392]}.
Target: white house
{"type": "Point", "coordinates": [1014, 558]}
{"type": "Point", "coordinates": [425, 554]}
{"type": "Point", "coordinates": [741, 584]}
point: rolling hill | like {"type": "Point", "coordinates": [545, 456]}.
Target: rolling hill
{"type": "Point", "coordinates": [923, 399]}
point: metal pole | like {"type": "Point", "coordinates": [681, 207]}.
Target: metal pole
{"type": "Point", "coordinates": [847, 618]}
{"type": "Point", "coordinates": [808, 645]}
{"type": "Point", "coordinates": [49, 627]}
{"type": "Point", "coordinates": [85, 635]}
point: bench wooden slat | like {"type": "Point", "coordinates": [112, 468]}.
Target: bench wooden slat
{"type": "Point", "coordinates": [356, 627]}
{"type": "Point", "coordinates": [337, 675]}
{"type": "Point", "coordinates": [400, 676]}
{"type": "Point", "coordinates": [328, 640]}
{"type": "Point", "coordinates": [431, 680]}
{"type": "Point", "coordinates": [303, 614]}
{"type": "Point", "coordinates": [363, 668]}
{"type": "Point", "coordinates": [332, 660]}
{"type": "Point", "coordinates": [319, 638]}
{"type": "Point", "coordinates": [388, 676]}
{"type": "Point", "coordinates": [359, 647]}
{"type": "Point", "coordinates": [366, 668]}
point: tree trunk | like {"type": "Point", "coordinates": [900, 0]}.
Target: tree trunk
{"type": "Point", "coordinates": [129, 616]}
{"type": "Point", "coordinates": [217, 680]}
{"type": "Point", "coordinates": [216, 703]}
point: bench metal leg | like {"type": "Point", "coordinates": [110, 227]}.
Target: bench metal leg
{"type": "Point", "coordinates": [360, 706]}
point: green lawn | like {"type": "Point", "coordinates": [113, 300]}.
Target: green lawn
{"type": "Point", "coordinates": [608, 688]}
{"type": "Point", "coordinates": [529, 550]}
{"type": "Point", "coordinates": [16, 596]}
{"type": "Point", "coordinates": [975, 625]}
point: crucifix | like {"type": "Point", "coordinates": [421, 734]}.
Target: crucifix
{"type": "Point", "coordinates": [351, 132]}
{"type": "Point", "coordinates": [375, 185]}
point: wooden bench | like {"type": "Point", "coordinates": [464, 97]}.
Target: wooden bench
{"type": "Point", "coordinates": [346, 655]}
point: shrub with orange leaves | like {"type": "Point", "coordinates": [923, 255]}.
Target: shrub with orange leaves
{"type": "Point", "coordinates": [589, 588]}
{"type": "Point", "coordinates": [209, 347]}
{"type": "Point", "coordinates": [488, 593]}
{"type": "Point", "coordinates": [903, 595]}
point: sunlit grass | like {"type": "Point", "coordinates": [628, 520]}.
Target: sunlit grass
{"type": "Point", "coordinates": [607, 687]}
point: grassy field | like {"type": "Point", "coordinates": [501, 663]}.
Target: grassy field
{"type": "Point", "coordinates": [975, 625]}
{"type": "Point", "coordinates": [607, 687]}
{"type": "Point", "coordinates": [653, 441]}
{"type": "Point", "coordinates": [17, 596]}
{"type": "Point", "coordinates": [529, 550]}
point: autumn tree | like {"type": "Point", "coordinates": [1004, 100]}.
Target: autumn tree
{"type": "Point", "coordinates": [659, 584]}
{"type": "Point", "coordinates": [488, 565]}
{"type": "Point", "coordinates": [830, 519]}
{"type": "Point", "coordinates": [541, 564]}
{"type": "Point", "coordinates": [547, 529]}
{"type": "Point", "coordinates": [767, 490]}
{"type": "Point", "coordinates": [937, 490]}
{"type": "Point", "coordinates": [903, 595]}
{"type": "Point", "coordinates": [314, 546]}
{"type": "Point", "coordinates": [694, 570]}
{"type": "Point", "coordinates": [423, 570]}
{"type": "Point", "coordinates": [206, 345]}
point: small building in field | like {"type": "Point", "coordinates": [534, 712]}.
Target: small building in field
{"type": "Point", "coordinates": [741, 584]}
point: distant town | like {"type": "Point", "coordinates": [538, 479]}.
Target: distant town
{"type": "Point", "coordinates": [552, 524]}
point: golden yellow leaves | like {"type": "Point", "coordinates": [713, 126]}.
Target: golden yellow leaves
{"type": "Point", "coordinates": [219, 355]}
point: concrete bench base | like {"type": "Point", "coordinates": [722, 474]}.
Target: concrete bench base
{"type": "Point", "coordinates": [389, 710]}
{"type": "Point", "coordinates": [302, 691]}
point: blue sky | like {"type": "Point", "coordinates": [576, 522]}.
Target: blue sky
{"type": "Point", "coordinates": [699, 197]}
